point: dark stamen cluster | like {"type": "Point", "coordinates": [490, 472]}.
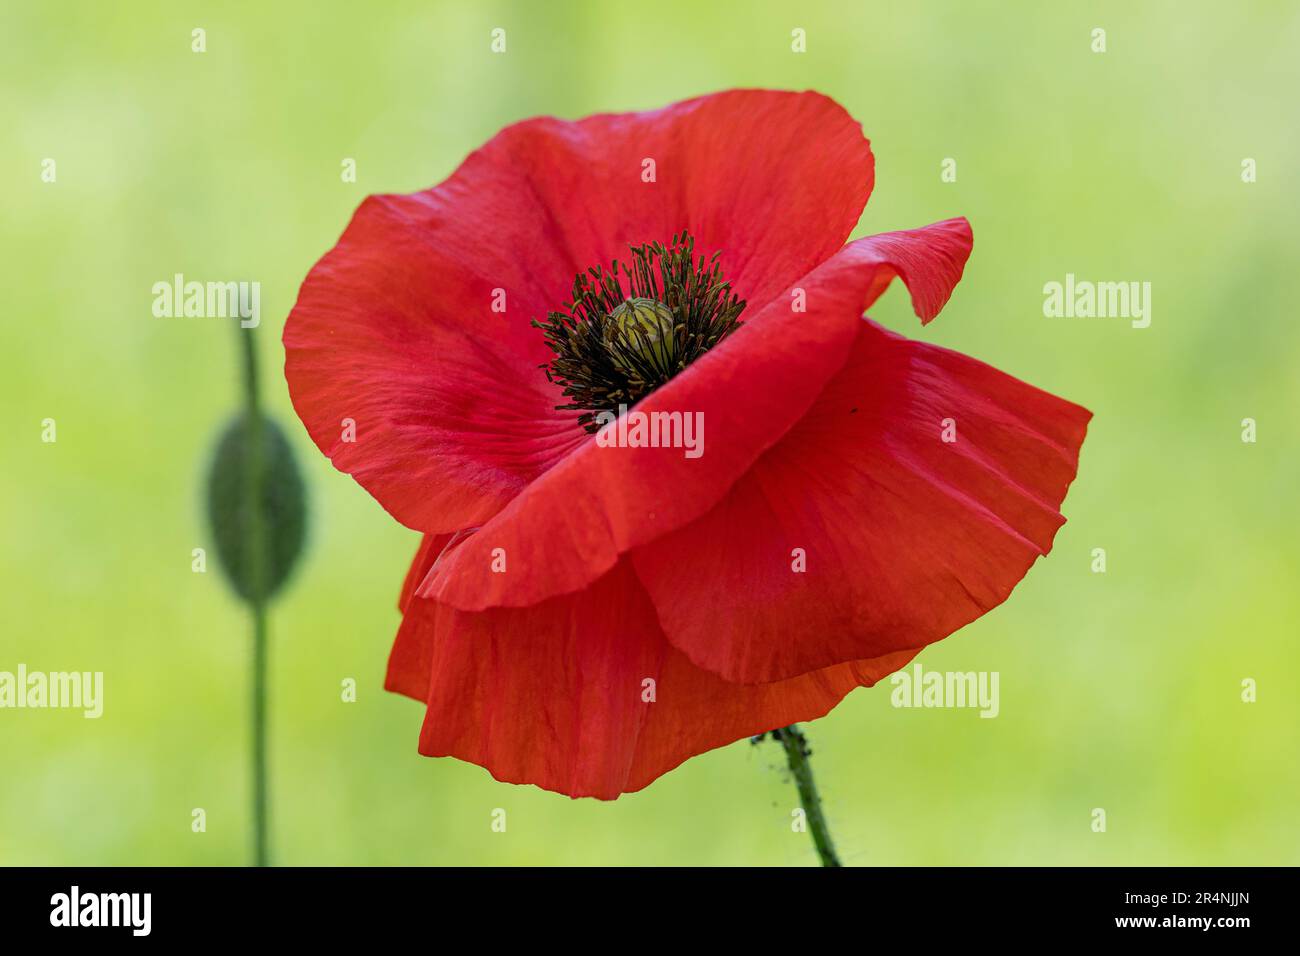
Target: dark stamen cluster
{"type": "Point", "coordinates": [615, 346]}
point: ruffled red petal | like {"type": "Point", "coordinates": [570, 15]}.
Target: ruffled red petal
{"type": "Point", "coordinates": [570, 526]}
{"type": "Point", "coordinates": [905, 537]}
{"type": "Point", "coordinates": [394, 329]}
{"type": "Point", "coordinates": [408, 665]}
{"type": "Point", "coordinates": [556, 695]}
{"type": "Point", "coordinates": [431, 546]}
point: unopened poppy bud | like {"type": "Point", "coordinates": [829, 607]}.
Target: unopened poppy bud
{"type": "Point", "coordinates": [256, 487]}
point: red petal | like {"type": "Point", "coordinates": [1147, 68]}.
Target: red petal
{"type": "Point", "coordinates": [553, 695]}
{"type": "Point", "coordinates": [929, 260]}
{"type": "Point", "coordinates": [431, 546]}
{"type": "Point", "coordinates": [571, 525]}
{"type": "Point", "coordinates": [394, 330]}
{"type": "Point", "coordinates": [408, 664]}
{"type": "Point", "coordinates": [450, 421]}
{"type": "Point", "coordinates": [907, 538]}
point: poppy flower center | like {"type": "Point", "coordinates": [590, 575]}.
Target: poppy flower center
{"type": "Point", "coordinates": [626, 334]}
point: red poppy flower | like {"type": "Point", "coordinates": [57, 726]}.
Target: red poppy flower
{"type": "Point", "coordinates": [585, 617]}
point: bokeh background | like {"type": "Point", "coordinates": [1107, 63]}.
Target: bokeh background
{"type": "Point", "coordinates": [1119, 690]}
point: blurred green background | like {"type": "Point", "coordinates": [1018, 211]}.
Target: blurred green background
{"type": "Point", "coordinates": [1119, 690]}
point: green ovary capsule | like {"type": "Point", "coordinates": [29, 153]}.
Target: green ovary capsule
{"type": "Point", "coordinates": [644, 328]}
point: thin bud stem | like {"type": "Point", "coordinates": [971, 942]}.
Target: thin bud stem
{"type": "Point", "coordinates": [254, 477]}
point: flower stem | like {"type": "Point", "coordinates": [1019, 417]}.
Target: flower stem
{"type": "Point", "coordinates": [260, 852]}
{"type": "Point", "coordinates": [797, 754]}
{"type": "Point", "coordinates": [254, 475]}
